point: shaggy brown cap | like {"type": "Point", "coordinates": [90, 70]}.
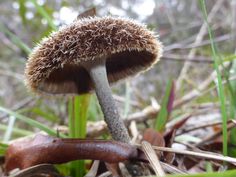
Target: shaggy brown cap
{"type": "Point", "coordinates": [54, 67]}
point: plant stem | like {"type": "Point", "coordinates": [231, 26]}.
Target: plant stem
{"type": "Point", "coordinates": [219, 80]}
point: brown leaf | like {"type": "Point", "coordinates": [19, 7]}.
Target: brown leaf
{"type": "Point", "coordinates": [44, 170]}
{"type": "Point", "coordinates": [88, 13]}
{"type": "Point", "coordinates": [114, 169]}
{"type": "Point", "coordinates": [213, 146]}
{"type": "Point", "coordinates": [170, 156]}
{"type": "Point", "coordinates": [153, 137]}
{"type": "Point", "coordinates": [45, 149]}
{"type": "Point", "coordinates": [176, 126]}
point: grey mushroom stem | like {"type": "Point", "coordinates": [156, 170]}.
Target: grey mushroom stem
{"type": "Point", "coordinates": [97, 71]}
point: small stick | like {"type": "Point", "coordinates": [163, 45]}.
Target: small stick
{"type": "Point", "coordinates": [172, 169]}
{"type": "Point", "coordinates": [231, 125]}
{"type": "Point", "coordinates": [203, 154]}
{"type": "Point", "coordinates": [93, 170]}
{"type": "Point", "coordinates": [184, 58]}
{"type": "Point", "coordinates": [202, 126]}
{"type": "Point", "coordinates": [42, 169]}
{"type": "Point", "coordinates": [153, 159]}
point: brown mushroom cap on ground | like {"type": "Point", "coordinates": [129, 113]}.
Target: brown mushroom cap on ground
{"type": "Point", "coordinates": [54, 67]}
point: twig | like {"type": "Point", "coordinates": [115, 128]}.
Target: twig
{"type": "Point", "coordinates": [122, 100]}
{"type": "Point", "coordinates": [203, 154]}
{"type": "Point", "coordinates": [184, 58]}
{"type": "Point", "coordinates": [231, 125]}
{"type": "Point", "coordinates": [19, 105]}
{"type": "Point", "coordinates": [105, 174]}
{"type": "Point", "coordinates": [134, 131]}
{"type": "Point", "coordinates": [198, 40]}
{"type": "Point", "coordinates": [147, 112]}
{"type": "Point", "coordinates": [97, 128]}
{"type": "Point", "coordinates": [180, 44]}
{"type": "Point", "coordinates": [42, 169]}
{"type": "Point", "coordinates": [172, 169]}
{"type": "Point", "coordinates": [185, 45]}
{"type": "Point", "coordinates": [205, 105]}
{"type": "Point", "coordinates": [197, 91]}
{"type": "Point", "coordinates": [15, 75]}
{"type": "Point", "coordinates": [153, 159]}
{"type": "Point", "coordinates": [233, 27]}
{"type": "Point", "coordinates": [202, 126]}
{"type": "Point", "coordinates": [93, 170]}
{"type": "Point", "coordinates": [207, 42]}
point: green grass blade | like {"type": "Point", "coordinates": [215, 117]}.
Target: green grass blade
{"type": "Point", "coordinates": [9, 130]}
{"type": "Point", "coordinates": [3, 148]}
{"type": "Point", "coordinates": [94, 111]}
{"type": "Point", "coordinates": [71, 117]}
{"type": "Point", "coordinates": [209, 167]}
{"type": "Point", "coordinates": [31, 122]}
{"type": "Point", "coordinates": [231, 88]}
{"type": "Point", "coordinates": [44, 14]}
{"type": "Point", "coordinates": [127, 99]}
{"type": "Point", "coordinates": [78, 108]}
{"type": "Point", "coordinates": [231, 58]}
{"type": "Point", "coordinates": [229, 173]}
{"type": "Point", "coordinates": [22, 10]}
{"type": "Point", "coordinates": [46, 113]}
{"type": "Point", "coordinates": [83, 105]}
{"type": "Point", "coordinates": [15, 39]}
{"type": "Point", "coordinates": [219, 79]}
{"type": "Point", "coordinates": [16, 131]}
{"type": "Point", "coordinates": [163, 114]}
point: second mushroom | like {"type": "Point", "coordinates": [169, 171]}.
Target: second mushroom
{"type": "Point", "coordinates": [89, 54]}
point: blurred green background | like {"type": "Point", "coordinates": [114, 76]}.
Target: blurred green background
{"type": "Point", "coordinates": [181, 28]}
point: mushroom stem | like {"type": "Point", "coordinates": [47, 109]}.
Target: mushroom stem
{"type": "Point", "coordinates": [98, 74]}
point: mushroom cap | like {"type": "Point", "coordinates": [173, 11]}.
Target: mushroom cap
{"type": "Point", "coordinates": [55, 65]}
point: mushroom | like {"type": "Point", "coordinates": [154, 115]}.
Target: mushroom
{"type": "Point", "coordinates": [89, 54]}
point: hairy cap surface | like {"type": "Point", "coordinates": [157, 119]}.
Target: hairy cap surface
{"type": "Point", "coordinates": [54, 66]}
